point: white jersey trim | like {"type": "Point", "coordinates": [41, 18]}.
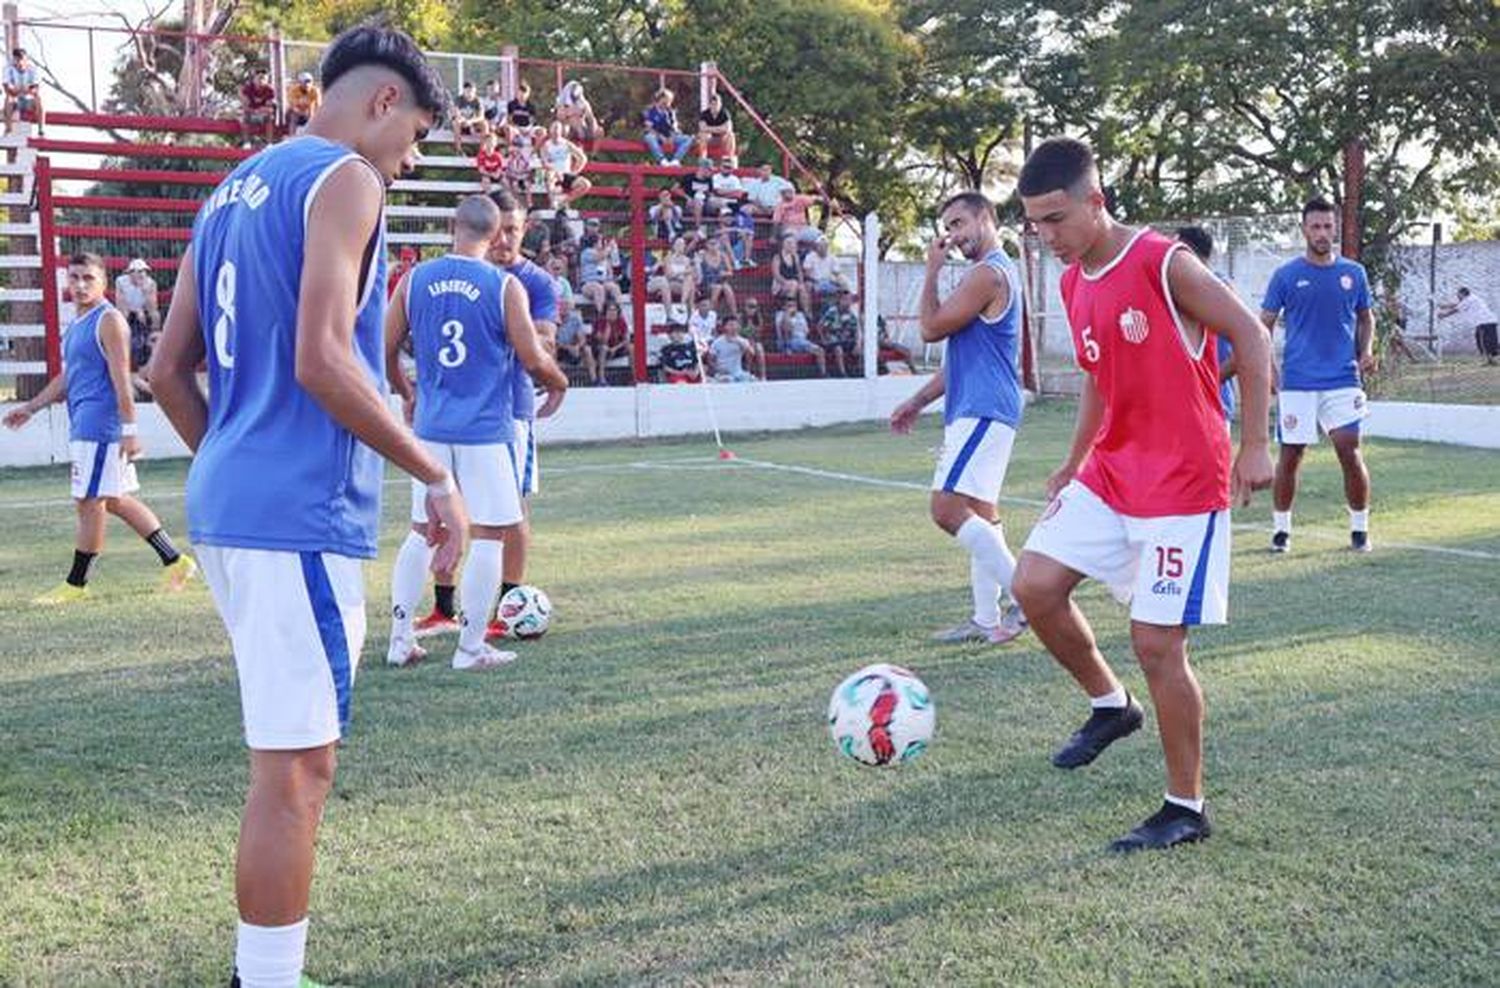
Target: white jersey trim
{"type": "Point", "coordinates": [1110, 266]}
{"type": "Point", "coordinates": [1006, 272]}
{"type": "Point", "coordinates": [1166, 290]}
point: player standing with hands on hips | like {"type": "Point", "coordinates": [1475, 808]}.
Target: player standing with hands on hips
{"type": "Point", "coordinates": [1330, 339]}
{"type": "Point", "coordinates": [281, 294]}
{"type": "Point", "coordinates": [1142, 501]}
{"type": "Point", "coordinates": [981, 320]}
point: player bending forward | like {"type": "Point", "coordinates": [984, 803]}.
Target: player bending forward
{"type": "Point", "coordinates": [280, 293]}
{"type": "Point", "coordinates": [470, 325]}
{"type": "Point", "coordinates": [1142, 501]}
{"type": "Point", "coordinates": [981, 321]}
{"type": "Point", "coordinates": [102, 434]}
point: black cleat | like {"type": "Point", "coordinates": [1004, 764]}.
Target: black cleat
{"type": "Point", "coordinates": [1105, 726]}
{"type": "Point", "coordinates": [1167, 827]}
{"type": "Point", "coordinates": [1281, 541]}
{"type": "Point", "coordinates": [1359, 541]}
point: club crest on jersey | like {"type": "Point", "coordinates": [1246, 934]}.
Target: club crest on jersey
{"type": "Point", "coordinates": [1134, 325]}
{"type": "Point", "coordinates": [1346, 282]}
{"type": "Point", "coordinates": [1289, 422]}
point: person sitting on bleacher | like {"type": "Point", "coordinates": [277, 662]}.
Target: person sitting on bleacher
{"type": "Point", "coordinates": [728, 192]}
{"type": "Point", "coordinates": [715, 267]}
{"type": "Point", "coordinates": [665, 217]}
{"type": "Point", "coordinates": [521, 112]}
{"type": "Point", "coordinates": [726, 355]}
{"type": "Point", "coordinates": [790, 216]}
{"type": "Point", "coordinates": [573, 340]}
{"type": "Point", "coordinates": [679, 357]}
{"type": "Point", "coordinates": [490, 163]}
{"type": "Point", "coordinates": [468, 116]}
{"type": "Point", "coordinates": [575, 114]}
{"type": "Point", "coordinates": [838, 328]}
{"type": "Point", "coordinates": [564, 162]}
{"type": "Point", "coordinates": [696, 187]}
{"type": "Point", "coordinates": [794, 336]}
{"type": "Point", "coordinates": [258, 108]}
{"type": "Point", "coordinates": [753, 321]}
{"type": "Point", "coordinates": [596, 280]}
{"type": "Point", "coordinates": [661, 125]}
{"type": "Point", "coordinates": [23, 92]}
{"type": "Point", "coordinates": [492, 105]}
{"type": "Point", "coordinates": [303, 98]}
{"type": "Point", "coordinates": [787, 278]}
{"type": "Point", "coordinates": [521, 163]}
{"type": "Point", "coordinates": [135, 296]}
{"type": "Point", "coordinates": [611, 337]}
{"type": "Point", "coordinates": [716, 130]}
{"type": "Point", "coordinates": [822, 277]}
{"type": "Point", "coordinates": [675, 270]}
{"type": "Point", "coordinates": [763, 192]}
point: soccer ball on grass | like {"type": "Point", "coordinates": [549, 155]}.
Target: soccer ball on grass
{"type": "Point", "coordinates": [881, 715]}
{"type": "Point", "coordinates": [524, 612]}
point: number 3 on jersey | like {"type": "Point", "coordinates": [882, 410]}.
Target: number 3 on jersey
{"type": "Point", "coordinates": [455, 352]}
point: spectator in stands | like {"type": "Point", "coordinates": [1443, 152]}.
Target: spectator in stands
{"type": "Point", "coordinates": [595, 271]}
{"type": "Point", "coordinates": [660, 121]}
{"type": "Point", "coordinates": [737, 229]}
{"type": "Point", "coordinates": [890, 350]}
{"type": "Point", "coordinates": [493, 105]}
{"type": "Point", "coordinates": [674, 272]}
{"type": "Point", "coordinates": [140, 360]}
{"type": "Point", "coordinates": [575, 113]}
{"type": "Point", "coordinates": [257, 108]}
{"type": "Point", "coordinates": [787, 278]}
{"type": "Point", "coordinates": [135, 296]}
{"type": "Point", "coordinates": [521, 163]}
{"type": "Point", "coordinates": [763, 192]}
{"type": "Point", "coordinates": [753, 321]}
{"type": "Point", "coordinates": [303, 97]}
{"type": "Point", "coordinates": [679, 357]}
{"type": "Point", "coordinates": [696, 186]}
{"type": "Point", "coordinates": [716, 130]}
{"type": "Point", "coordinates": [793, 335]}
{"type": "Point", "coordinates": [467, 116]}
{"type": "Point", "coordinates": [727, 191]}
{"type": "Point", "coordinates": [536, 241]}
{"type": "Point", "coordinates": [557, 267]}
{"type": "Point", "coordinates": [703, 324]}
{"type": "Point", "coordinates": [665, 217]}
{"type": "Point", "coordinates": [490, 162]}
{"type": "Point", "coordinates": [727, 353]}
{"type": "Point", "coordinates": [406, 259]}
{"type": "Point", "coordinates": [564, 163]}
{"type": "Point", "coordinates": [521, 111]}
{"type": "Point", "coordinates": [574, 340]}
{"type": "Point", "coordinates": [611, 338]}
{"type": "Point", "coordinates": [818, 272]}
{"type": "Point", "coordinates": [1480, 317]}
{"type": "Point", "coordinates": [715, 266]}
{"type": "Point", "coordinates": [838, 328]}
{"type": "Point", "coordinates": [790, 216]}
{"type": "Point", "coordinates": [23, 91]}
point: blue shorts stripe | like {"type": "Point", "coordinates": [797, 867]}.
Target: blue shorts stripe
{"type": "Point", "coordinates": [1192, 613]}
{"type": "Point", "coordinates": [515, 468]}
{"type": "Point", "coordinates": [101, 450]}
{"type": "Point", "coordinates": [528, 482]}
{"type": "Point", "coordinates": [966, 454]}
{"type": "Point", "coordinates": [330, 621]}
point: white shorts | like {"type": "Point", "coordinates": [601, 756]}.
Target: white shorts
{"type": "Point", "coordinates": [101, 470]}
{"type": "Point", "coordinates": [1300, 413]}
{"type": "Point", "coordinates": [486, 475]}
{"type": "Point", "coordinates": [1171, 570]}
{"type": "Point", "coordinates": [296, 621]}
{"type": "Point", "coordinates": [974, 458]}
{"type": "Point", "coordinates": [528, 474]}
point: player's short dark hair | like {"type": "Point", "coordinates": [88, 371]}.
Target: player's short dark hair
{"type": "Point", "coordinates": [1317, 204]}
{"type": "Point", "coordinates": [505, 200]}
{"type": "Point", "coordinates": [1056, 163]}
{"type": "Point", "coordinates": [375, 43]}
{"type": "Point", "coordinates": [18, 53]}
{"type": "Point", "coordinates": [977, 203]}
{"type": "Point", "coordinates": [87, 259]}
{"type": "Point", "coordinates": [1463, 293]}
{"type": "Point", "coordinates": [1199, 240]}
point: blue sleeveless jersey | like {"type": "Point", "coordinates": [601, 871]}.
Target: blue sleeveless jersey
{"type": "Point", "coordinates": [979, 370]}
{"type": "Point", "coordinates": [455, 308]}
{"type": "Point", "coordinates": [93, 408]}
{"type": "Point", "coordinates": [541, 295]}
{"type": "Point", "coordinates": [274, 470]}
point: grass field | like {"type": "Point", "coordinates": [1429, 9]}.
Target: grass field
{"type": "Point", "coordinates": [650, 795]}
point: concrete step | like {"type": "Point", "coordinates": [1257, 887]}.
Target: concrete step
{"type": "Point", "coordinates": [20, 294]}
{"type": "Point", "coordinates": [19, 367]}
{"type": "Point", "coordinates": [30, 229]}
{"type": "Point", "coordinates": [22, 331]}
{"type": "Point", "coordinates": [16, 168]}
{"type": "Point", "coordinates": [12, 261]}
{"type": "Point", "coordinates": [22, 198]}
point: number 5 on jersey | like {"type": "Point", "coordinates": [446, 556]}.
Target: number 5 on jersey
{"type": "Point", "coordinates": [1090, 345]}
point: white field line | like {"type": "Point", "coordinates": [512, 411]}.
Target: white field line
{"type": "Point", "coordinates": [712, 463]}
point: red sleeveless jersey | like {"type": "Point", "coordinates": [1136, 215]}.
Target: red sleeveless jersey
{"type": "Point", "coordinates": [1162, 446]}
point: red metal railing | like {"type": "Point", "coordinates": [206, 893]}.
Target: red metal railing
{"type": "Point", "coordinates": [47, 241]}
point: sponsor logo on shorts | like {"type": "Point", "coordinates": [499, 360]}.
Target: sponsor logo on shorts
{"type": "Point", "coordinates": [1167, 588]}
{"type": "Point", "coordinates": [1134, 325]}
{"type": "Point", "coordinates": [1289, 421]}
{"type": "Point", "coordinates": [1359, 401]}
{"type": "Point", "coordinates": [1053, 507]}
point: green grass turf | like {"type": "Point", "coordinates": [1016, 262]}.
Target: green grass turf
{"type": "Point", "coordinates": [650, 795]}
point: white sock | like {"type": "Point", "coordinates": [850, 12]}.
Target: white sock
{"type": "Point", "coordinates": [477, 587]}
{"type": "Point", "coordinates": [1109, 701]}
{"type": "Point", "coordinates": [1359, 521]}
{"type": "Point", "coordinates": [1281, 521]}
{"type": "Point", "coordinates": [991, 569]}
{"type": "Point", "coordinates": [407, 582]}
{"type": "Point", "coordinates": [1196, 805]}
{"type": "Point", "coordinates": [270, 956]}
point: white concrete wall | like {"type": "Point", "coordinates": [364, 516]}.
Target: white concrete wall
{"type": "Point", "coordinates": [1462, 425]}
{"type": "Point", "coordinates": [587, 415]}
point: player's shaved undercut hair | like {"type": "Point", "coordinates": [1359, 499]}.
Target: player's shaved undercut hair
{"type": "Point", "coordinates": [1317, 204]}
{"type": "Point", "coordinates": [374, 43]}
{"type": "Point", "coordinates": [477, 218]}
{"type": "Point", "coordinates": [1058, 163]}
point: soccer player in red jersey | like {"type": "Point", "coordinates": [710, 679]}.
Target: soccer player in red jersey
{"type": "Point", "coordinates": [1142, 501]}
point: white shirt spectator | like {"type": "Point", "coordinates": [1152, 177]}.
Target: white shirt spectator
{"type": "Point", "coordinates": [793, 327]}
{"type": "Point", "coordinates": [1474, 310]}
{"type": "Point", "coordinates": [725, 182]}
{"type": "Point", "coordinates": [572, 331]}
{"type": "Point", "coordinates": [766, 193]}
{"type": "Point", "coordinates": [729, 356]}
{"type": "Point", "coordinates": [130, 297]}
{"type": "Point", "coordinates": [703, 325]}
{"type": "Point", "coordinates": [817, 268]}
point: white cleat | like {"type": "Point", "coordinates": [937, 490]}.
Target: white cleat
{"type": "Point", "coordinates": [404, 652]}
{"type": "Point", "coordinates": [483, 657]}
{"type": "Point", "coordinates": [969, 631]}
{"type": "Point", "coordinates": [1013, 625]}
